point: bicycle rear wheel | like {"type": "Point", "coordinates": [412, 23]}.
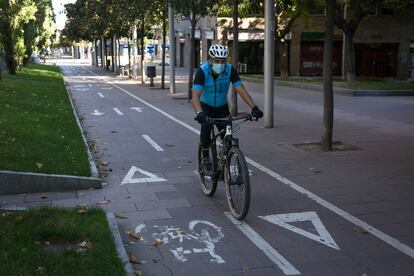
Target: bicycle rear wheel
{"type": "Point", "coordinates": [208, 183]}
{"type": "Point", "coordinates": [237, 182]}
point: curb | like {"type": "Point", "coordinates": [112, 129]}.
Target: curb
{"type": "Point", "coordinates": [110, 217]}
{"type": "Point", "coordinates": [26, 182]}
{"type": "Point", "coordinates": [92, 164]}
{"type": "Point", "coordinates": [337, 90]}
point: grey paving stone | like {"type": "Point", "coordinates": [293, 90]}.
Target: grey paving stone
{"type": "Point", "coordinates": [149, 215]}
{"type": "Point", "coordinates": [118, 207]}
{"type": "Point", "coordinates": [37, 197]}
{"type": "Point", "coordinates": [162, 204]}
{"type": "Point", "coordinates": [71, 203]}
{"type": "Point", "coordinates": [135, 189]}
{"type": "Point", "coordinates": [9, 200]}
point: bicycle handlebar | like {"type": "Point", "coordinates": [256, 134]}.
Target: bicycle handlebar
{"type": "Point", "coordinates": [229, 119]}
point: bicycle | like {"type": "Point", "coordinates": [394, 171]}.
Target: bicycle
{"type": "Point", "coordinates": [229, 166]}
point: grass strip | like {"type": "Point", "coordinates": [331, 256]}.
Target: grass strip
{"type": "Point", "coordinates": [57, 241]}
{"type": "Point", "coordinates": [38, 131]}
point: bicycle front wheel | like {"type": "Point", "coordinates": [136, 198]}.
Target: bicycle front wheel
{"type": "Point", "coordinates": [237, 182]}
{"type": "Point", "coordinates": [208, 183]}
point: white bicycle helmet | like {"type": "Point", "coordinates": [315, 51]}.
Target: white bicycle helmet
{"type": "Point", "coordinates": [218, 51]}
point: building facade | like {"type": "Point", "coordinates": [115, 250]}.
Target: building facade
{"type": "Point", "coordinates": [384, 44]}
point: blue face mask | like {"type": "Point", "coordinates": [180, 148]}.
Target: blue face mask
{"type": "Point", "coordinates": [218, 68]}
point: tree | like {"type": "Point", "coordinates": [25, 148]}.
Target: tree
{"type": "Point", "coordinates": [328, 114]}
{"type": "Point", "coordinates": [194, 10]}
{"type": "Point", "coordinates": [13, 14]}
{"type": "Point", "coordinates": [349, 24]}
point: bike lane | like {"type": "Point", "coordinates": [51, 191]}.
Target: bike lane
{"type": "Point", "coordinates": [197, 237]}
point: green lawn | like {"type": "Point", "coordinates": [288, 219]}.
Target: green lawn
{"type": "Point", "coordinates": [38, 131]}
{"type": "Point", "coordinates": [360, 84]}
{"type": "Point", "coordinates": [52, 241]}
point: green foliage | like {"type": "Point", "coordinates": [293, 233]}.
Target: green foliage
{"type": "Point", "coordinates": [195, 9]}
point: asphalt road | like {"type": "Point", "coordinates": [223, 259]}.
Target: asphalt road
{"type": "Point", "coordinates": [338, 213]}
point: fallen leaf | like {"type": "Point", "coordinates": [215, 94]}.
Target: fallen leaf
{"type": "Point", "coordinates": [104, 202]}
{"type": "Point", "coordinates": [39, 165]}
{"type": "Point", "coordinates": [133, 259]}
{"type": "Point", "coordinates": [138, 272]}
{"type": "Point", "coordinates": [47, 243]}
{"type": "Point", "coordinates": [133, 235]}
{"type": "Point", "coordinates": [85, 244]}
{"type": "Point", "coordinates": [157, 242]}
{"type": "Point", "coordinates": [43, 196]}
{"type": "Point", "coordinates": [120, 216]}
{"type": "Point", "coordinates": [359, 230]}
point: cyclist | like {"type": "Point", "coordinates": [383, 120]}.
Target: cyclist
{"type": "Point", "coordinates": [210, 87]}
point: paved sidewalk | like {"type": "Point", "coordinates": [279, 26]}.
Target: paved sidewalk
{"type": "Point", "coordinates": [336, 213]}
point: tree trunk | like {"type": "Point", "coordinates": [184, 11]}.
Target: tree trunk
{"type": "Point", "coordinates": [102, 53]}
{"type": "Point", "coordinates": [119, 54]}
{"type": "Point", "coordinates": [350, 73]}
{"type": "Point", "coordinates": [142, 50]}
{"type": "Point", "coordinates": [106, 54]}
{"type": "Point", "coordinates": [112, 54]}
{"type": "Point", "coordinates": [283, 59]}
{"type": "Point", "coordinates": [192, 56]}
{"type": "Point", "coordinates": [235, 54]}
{"type": "Point", "coordinates": [96, 53]}
{"type": "Point", "coordinates": [129, 60]}
{"type": "Point", "coordinates": [326, 140]}
{"type": "Point", "coordinates": [164, 34]}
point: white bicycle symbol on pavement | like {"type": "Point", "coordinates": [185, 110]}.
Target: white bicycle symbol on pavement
{"type": "Point", "coordinates": [175, 237]}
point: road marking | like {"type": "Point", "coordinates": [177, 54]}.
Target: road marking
{"type": "Point", "coordinates": [263, 245]}
{"type": "Point", "coordinates": [90, 85]}
{"type": "Point", "coordinates": [101, 95]}
{"type": "Point", "coordinates": [377, 233]}
{"type": "Point", "coordinates": [83, 78]}
{"type": "Point", "coordinates": [129, 177]}
{"type": "Point", "coordinates": [97, 113]}
{"type": "Point", "coordinates": [139, 109]}
{"type": "Point", "coordinates": [107, 88]}
{"type": "Point", "coordinates": [283, 221]}
{"type": "Point", "coordinates": [118, 111]}
{"type": "Point", "coordinates": [152, 143]}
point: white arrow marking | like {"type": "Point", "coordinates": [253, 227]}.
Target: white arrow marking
{"type": "Point", "coordinates": [118, 111]}
{"type": "Point", "coordinates": [268, 250]}
{"type": "Point", "coordinates": [97, 113]}
{"type": "Point", "coordinates": [152, 143]}
{"type": "Point", "coordinates": [79, 85]}
{"type": "Point", "coordinates": [81, 89]}
{"type": "Point", "coordinates": [284, 219]}
{"type": "Point", "coordinates": [101, 95]}
{"type": "Point", "coordinates": [129, 177]}
{"type": "Point", "coordinates": [139, 109]}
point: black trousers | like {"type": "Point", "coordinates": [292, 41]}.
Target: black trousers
{"type": "Point", "coordinates": [216, 112]}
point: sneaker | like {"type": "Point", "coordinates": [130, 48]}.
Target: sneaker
{"type": "Point", "coordinates": [207, 166]}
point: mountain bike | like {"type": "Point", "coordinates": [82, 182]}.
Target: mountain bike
{"type": "Point", "coordinates": [229, 165]}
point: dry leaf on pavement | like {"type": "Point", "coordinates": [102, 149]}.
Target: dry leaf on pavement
{"type": "Point", "coordinates": [43, 196]}
{"type": "Point", "coordinates": [133, 259]}
{"type": "Point", "coordinates": [157, 242]}
{"type": "Point", "coordinates": [133, 235]}
{"type": "Point", "coordinates": [359, 230]}
{"type": "Point", "coordinates": [138, 272]}
{"type": "Point", "coordinates": [120, 216]}
{"type": "Point", "coordinates": [104, 202]}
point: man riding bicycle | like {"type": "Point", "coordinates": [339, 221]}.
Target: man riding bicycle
{"type": "Point", "coordinates": [210, 87]}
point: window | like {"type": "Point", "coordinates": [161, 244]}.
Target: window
{"type": "Point", "coordinates": [387, 11]}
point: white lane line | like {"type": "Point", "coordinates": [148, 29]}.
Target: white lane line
{"type": "Point", "coordinates": [152, 143]}
{"type": "Point", "coordinates": [101, 95]}
{"type": "Point", "coordinates": [377, 233]}
{"type": "Point", "coordinates": [263, 245]}
{"type": "Point", "coordinates": [118, 111]}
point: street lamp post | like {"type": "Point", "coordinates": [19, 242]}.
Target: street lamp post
{"type": "Point", "coordinates": [269, 62]}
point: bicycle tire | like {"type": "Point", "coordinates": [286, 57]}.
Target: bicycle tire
{"type": "Point", "coordinates": [237, 183]}
{"type": "Point", "coordinates": [208, 184]}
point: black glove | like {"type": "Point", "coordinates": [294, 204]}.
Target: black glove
{"type": "Point", "coordinates": [256, 112]}
{"type": "Point", "coordinates": [201, 117]}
